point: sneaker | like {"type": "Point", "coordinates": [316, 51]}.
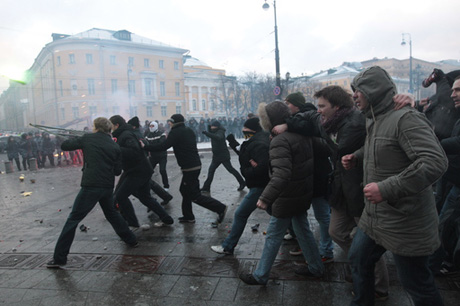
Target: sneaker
{"type": "Point", "coordinates": [327, 260]}
{"type": "Point", "coordinates": [220, 250]}
{"type": "Point", "coordinates": [185, 220]}
{"type": "Point", "coordinates": [241, 187]}
{"type": "Point", "coordinates": [166, 188]}
{"type": "Point", "coordinates": [305, 271]}
{"type": "Point", "coordinates": [222, 215]}
{"type": "Point", "coordinates": [54, 264]}
{"type": "Point", "coordinates": [288, 237]}
{"type": "Point", "coordinates": [447, 268]}
{"type": "Point", "coordinates": [144, 227]}
{"type": "Point", "coordinates": [249, 279]}
{"type": "Point", "coordinates": [160, 224]}
{"type": "Point", "coordinates": [295, 252]}
{"type": "Point", "coordinates": [165, 202]}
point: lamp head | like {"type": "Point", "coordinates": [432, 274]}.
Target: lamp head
{"type": "Point", "coordinates": [403, 43]}
{"type": "Point", "coordinates": [266, 6]}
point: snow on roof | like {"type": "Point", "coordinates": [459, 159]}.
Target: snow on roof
{"type": "Point", "coordinates": [192, 61]}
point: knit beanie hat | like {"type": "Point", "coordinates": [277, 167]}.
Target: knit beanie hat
{"type": "Point", "coordinates": [296, 98]}
{"type": "Point", "coordinates": [273, 114]}
{"type": "Point", "coordinates": [253, 124]}
{"type": "Point", "coordinates": [134, 121]}
{"type": "Point", "coordinates": [177, 118]}
{"type": "Point", "coordinates": [215, 123]}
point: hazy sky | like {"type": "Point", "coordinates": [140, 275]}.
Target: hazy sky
{"type": "Point", "coordinates": [238, 35]}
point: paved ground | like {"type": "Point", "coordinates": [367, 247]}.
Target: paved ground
{"type": "Point", "coordinates": [172, 266]}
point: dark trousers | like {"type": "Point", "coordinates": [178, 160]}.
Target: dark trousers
{"type": "Point", "coordinates": [163, 194]}
{"type": "Point", "coordinates": [162, 163]}
{"type": "Point", "coordinates": [50, 158]}
{"type": "Point", "coordinates": [413, 272]}
{"type": "Point", "coordinates": [190, 191]}
{"type": "Point", "coordinates": [18, 164]}
{"type": "Point", "coordinates": [212, 169]}
{"type": "Point", "coordinates": [84, 203]}
{"type": "Point", "coordinates": [140, 188]}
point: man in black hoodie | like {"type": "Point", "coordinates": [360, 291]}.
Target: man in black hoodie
{"type": "Point", "coordinates": [136, 175]}
{"type": "Point", "coordinates": [220, 155]}
{"type": "Point", "coordinates": [183, 141]}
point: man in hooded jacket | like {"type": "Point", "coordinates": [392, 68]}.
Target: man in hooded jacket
{"type": "Point", "coordinates": [401, 158]}
{"type": "Point", "coordinates": [220, 155]}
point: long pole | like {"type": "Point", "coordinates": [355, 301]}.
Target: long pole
{"type": "Point", "coordinates": [410, 66]}
{"type": "Point", "coordinates": [277, 52]}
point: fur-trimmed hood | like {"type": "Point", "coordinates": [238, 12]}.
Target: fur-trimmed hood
{"type": "Point", "coordinates": [273, 114]}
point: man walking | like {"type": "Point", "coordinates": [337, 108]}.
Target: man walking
{"type": "Point", "coordinates": [102, 162]}
{"type": "Point", "coordinates": [401, 158]}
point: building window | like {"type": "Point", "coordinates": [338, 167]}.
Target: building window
{"type": "Point", "coordinates": [148, 87]}
{"type": "Point", "coordinates": [115, 109]}
{"type": "Point", "coordinates": [193, 105]}
{"type": "Point", "coordinates": [132, 88]}
{"type": "Point", "coordinates": [93, 110]}
{"type": "Point", "coordinates": [130, 61]}
{"type": "Point", "coordinates": [89, 58]}
{"type": "Point", "coordinates": [211, 105]}
{"type": "Point", "coordinates": [161, 64]}
{"type": "Point", "coordinates": [149, 110]}
{"type": "Point", "coordinates": [178, 109]}
{"type": "Point", "coordinates": [61, 89]}
{"type": "Point", "coordinates": [177, 85]}
{"type": "Point", "coordinates": [146, 63]}
{"type": "Point", "coordinates": [114, 85]}
{"type": "Point", "coordinates": [75, 112]}
{"type": "Point", "coordinates": [132, 111]}
{"type": "Point", "coordinates": [91, 87]}
{"type": "Point", "coordinates": [73, 87]}
{"type": "Point", "coordinates": [176, 65]}
{"type": "Point", "coordinates": [113, 60]}
{"type": "Point", "coordinates": [71, 58]}
{"type": "Point", "coordinates": [163, 111]}
{"type": "Point", "coordinates": [162, 89]}
{"type": "Point", "coordinates": [62, 113]}
{"type": "Point", "coordinates": [203, 104]}
{"type": "Point", "coordinates": [58, 61]}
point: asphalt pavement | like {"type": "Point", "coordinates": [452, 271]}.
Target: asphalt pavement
{"type": "Point", "coordinates": [173, 265]}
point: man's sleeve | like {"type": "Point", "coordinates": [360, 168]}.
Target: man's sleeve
{"type": "Point", "coordinates": [429, 162]}
{"type": "Point", "coordinates": [72, 144]}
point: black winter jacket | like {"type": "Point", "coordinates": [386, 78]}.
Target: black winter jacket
{"type": "Point", "coordinates": [451, 146]}
{"type": "Point", "coordinates": [134, 161]}
{"type": "Point", "coordinates": [156, 137]}
{"type": "Point", "coordinates": [255, 148]}
{"type": "Point", "coordinates": [102, 158]}
{"type": "Point", "coordinates": [220, 151]}
{"type": "Point", "coordinates": [183, 141]}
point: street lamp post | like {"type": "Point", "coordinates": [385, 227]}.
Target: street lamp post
{"type": "Point", "coordinates": [403, 43]}
{"type": "Point", "coordinates": [266, 6]}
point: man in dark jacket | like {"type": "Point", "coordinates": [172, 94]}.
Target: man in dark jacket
{"type": "Point", "coordinates": [160, 158]}
{"type": "Point", "coordinates": [253, 157]}
{"type": "Point", "coordinates": [288, 194]}
{"type": "Point", "coordinates": [183, 141]}
{"type": "Point", "coordinates": [401, 158]}
{"type": "Point", "coordinates": [102, 162]}
{"type": "Point", "coordinates": [220, 155]}
{"type": "Point", "coordinates": [136, 175]}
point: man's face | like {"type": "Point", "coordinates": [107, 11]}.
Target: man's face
{"type": "Point", "coordinates": [456, 93]}
{"type": "Point", "coordinates": [360, 100]}
{"type": "Point", "coordinates": [115, 127]}
{"type": "Point", "coordinates": [326, 109]}
{"type": "Point", "coordinates": [292, 108]}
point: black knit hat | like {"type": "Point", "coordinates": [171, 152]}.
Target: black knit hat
{"type": "Point", "coordinates": [134, 121]}
{"type": "Point", "coordinates": [177, 118]}
{"type": "Point", "coordinates": [253, 124]}
{"type": "Point", "coordinates": [215, 123]}
{"type": "Point", "coordinates": [296, 98]}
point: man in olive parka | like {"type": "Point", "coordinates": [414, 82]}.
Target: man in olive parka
{"type": "Point", "coordinates": [402, 158]}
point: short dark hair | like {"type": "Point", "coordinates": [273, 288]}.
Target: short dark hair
{"type": "Point", "coordinates": [336, 95]}
{"type": "Point", "coordinates": [117, 119]}
{"type": "Point", "coordinates": [457, 78]}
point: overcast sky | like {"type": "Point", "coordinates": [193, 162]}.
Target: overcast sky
{"type": "Point", "coordinates": [238, 35]}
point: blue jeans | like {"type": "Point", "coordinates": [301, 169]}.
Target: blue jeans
{"type": "Point", "coordinates": [322, 212]}
{"type": "Point", "coordinates": [242, 213]}
{"type": "Point", "coordinates": [413, 272]}
{"type": "Point", "coordinates": [276, 230]}
{"type": "Point", "coordinates": [85, 201]}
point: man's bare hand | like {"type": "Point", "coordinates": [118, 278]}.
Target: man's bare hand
{"type": "Point", "coordinates": [349, 161]}
{"type": "Point", "coordinates": [142, 144]}
{"type": "Point", "coordinates": [278, 129]}
{"type": "Point", "coordinates": [372, 193]}
{"type": "Point", "coordinates": [402, 100]}
{"type": "Point", "coordinates": [253, 163]}
{"type": "Point", "coordinates": [262, 205]}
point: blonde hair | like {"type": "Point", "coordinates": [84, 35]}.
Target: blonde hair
{"type": "Point", "coordinates": [102, 124]}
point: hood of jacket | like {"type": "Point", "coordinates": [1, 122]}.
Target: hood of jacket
{"type": "Point", "coordinates": [273, 114]}
{"type": "Point", "coordinates": [378, 88]}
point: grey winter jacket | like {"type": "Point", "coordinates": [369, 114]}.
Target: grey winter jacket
{"type": "Point", "coordinates": [403, 156]}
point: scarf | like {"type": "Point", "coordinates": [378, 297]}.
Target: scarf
{"type": "Point", "coordinates": [332, 125]}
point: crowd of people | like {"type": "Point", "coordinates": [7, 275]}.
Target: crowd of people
{"type": "Point", "coordinates": [369, 163]}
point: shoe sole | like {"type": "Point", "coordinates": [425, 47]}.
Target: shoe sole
{"type": "Point", "coordinates": [186, 221]}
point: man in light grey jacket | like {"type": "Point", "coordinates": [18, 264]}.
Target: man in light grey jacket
{"type": "Point", "coordinates": [402, 158]}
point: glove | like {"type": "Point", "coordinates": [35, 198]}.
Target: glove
{"type": "Point", "coordinates": [232, 141]}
